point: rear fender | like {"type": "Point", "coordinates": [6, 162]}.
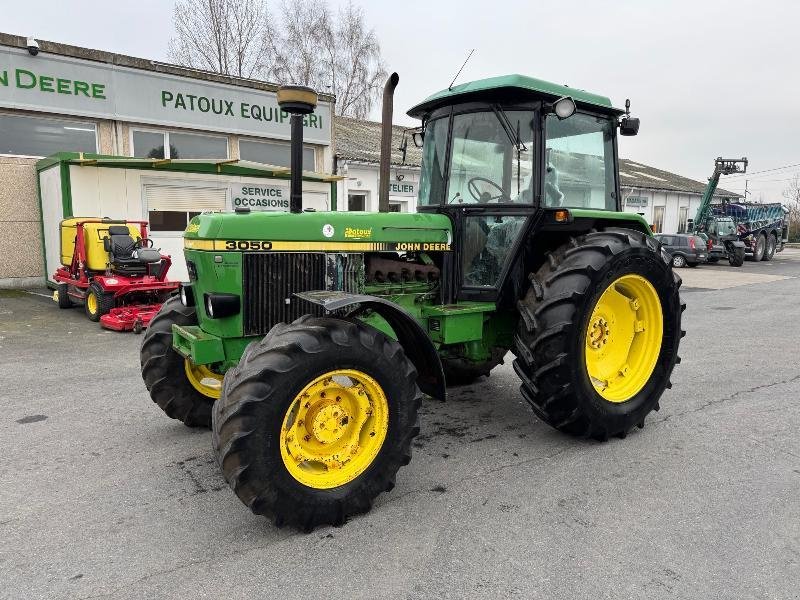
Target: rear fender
{"type": "Point", "coordinates": [412, 337]}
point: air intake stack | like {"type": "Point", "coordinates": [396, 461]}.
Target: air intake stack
{"type": "Point", "coordinates": [298, 101]}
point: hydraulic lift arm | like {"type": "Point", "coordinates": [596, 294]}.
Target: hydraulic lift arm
{"type": "Point", "coordinates": [722, 166]}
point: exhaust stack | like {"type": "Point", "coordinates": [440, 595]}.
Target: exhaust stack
{"type": "Point", "coordinates": [298, 101]}
{"type": "Point", "coordinates": [386, 141]}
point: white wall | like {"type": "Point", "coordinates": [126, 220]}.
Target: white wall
{"type": "Point", "coordinates": [671, 201]}
{"type": "Point", "coordinates": [363, 178]}
{"type": "Point", "coordinates": [116, 193]}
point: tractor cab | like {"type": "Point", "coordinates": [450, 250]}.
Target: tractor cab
{"type": "Point", "coordinates": [504, 155]}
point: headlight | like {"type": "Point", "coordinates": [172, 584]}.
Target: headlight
{"type": "Point", "coordinates": [219, 306]}
{"type": "Point", "coordinates": [564, 107]}
{"type": "Point", "coordinates": [187, 295]}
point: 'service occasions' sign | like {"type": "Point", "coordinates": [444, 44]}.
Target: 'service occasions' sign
{"type": "Point", "coordinates": [259, 196]}
{"type": "Point", "coordinates": [72, 86]}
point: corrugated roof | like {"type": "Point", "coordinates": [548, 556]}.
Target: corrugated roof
{"type": "Point", "coordinates": [634, 174]}
{"type": "Point", "coordinates": [361, 141]}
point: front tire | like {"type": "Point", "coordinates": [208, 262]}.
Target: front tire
{"type": "Point", "coordinates": [567, 324]}
{"type": "Point", "coordinates": [97, 302]}
{"type": "Point", "coordinates": [184, 391]}
{"type": "Point", "coordinates": [296, 438]}
{"type": "Point", "coordinates": [678, 261]}
{"type": "Point", "coordinates": [736, 258]}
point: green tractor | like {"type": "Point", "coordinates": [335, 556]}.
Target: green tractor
{"type": "Point", "coordinates": [307, 340]}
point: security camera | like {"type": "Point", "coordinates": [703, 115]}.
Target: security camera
{"type": "Point", "coordinates": [33, 46]}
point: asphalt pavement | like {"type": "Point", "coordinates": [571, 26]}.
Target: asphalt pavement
{"type": "Point", "coordinates": [102, 496]}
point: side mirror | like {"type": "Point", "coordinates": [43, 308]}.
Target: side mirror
{"type": "Point", "coordinates": [629, 126]}
{"type": "Point", "coordinates": [418, 137]}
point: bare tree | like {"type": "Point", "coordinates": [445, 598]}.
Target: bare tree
{"type": "Point", "coordinates": [353, 65]}
{"type": "Point", "coordinates": [223, 36]}
{"type": "Point", "coordinates": [335, 54]}
{"type": "Point", "coordinates": [792, 197]}
{"type": "Point", "coordinates": [307, 45]}
{"type": "Point", "coordinates": [297, 43]}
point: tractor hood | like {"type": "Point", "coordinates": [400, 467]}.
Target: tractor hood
{"type": "Point", "coordinates": [322, 231]}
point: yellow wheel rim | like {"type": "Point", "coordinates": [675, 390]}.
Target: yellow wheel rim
{"type": "Point", "coordinates": [623, 338]}
{"type": "Point", "coordinates": [91, 303]}
{"type": "Point", "coordinates": [203, 379]}
{"type": "Point", "coordinates": [334, 428]}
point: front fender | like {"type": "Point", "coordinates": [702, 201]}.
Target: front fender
{"type": "Point", "coordinates": [412, 337]}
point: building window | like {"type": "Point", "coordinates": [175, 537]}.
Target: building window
{"type": "Point", "coordinates": [658, 219]}
{"type": "Point", "coordinates": [38, 136]}
{"type": "Point", "coordinates": [683, 217]}
{"type": "Point", "coordinates": [356, 202]}
{"type": "Point", "coordinates": [395, 207]}
{"type": "Point", "coordinates": [275, 153]}
{"type": "Point", "coordinates": [170, 220]}
{"type": "Point", "coordinates": [170, 144]}
{"type": "Point", "coordinates": [171, 205]}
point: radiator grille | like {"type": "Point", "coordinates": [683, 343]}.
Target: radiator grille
{"type": "Point", "coordinates": [268, 282]}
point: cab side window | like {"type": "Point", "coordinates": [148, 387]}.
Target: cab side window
{"type": "Point", "coordinates": [579, 168]}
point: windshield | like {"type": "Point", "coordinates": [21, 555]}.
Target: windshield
{"type": "Point", "coordinates": [491, 162]}
{"type": "Point", "coordinates": [434, 154]}
{"type": "Point", "coordinates": [580, 162]}
{"type": "Point", "coordinates": [725, 227]}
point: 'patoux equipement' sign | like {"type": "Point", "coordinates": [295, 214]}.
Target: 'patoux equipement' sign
{"type": "Point", "coordinates": [70, 86]}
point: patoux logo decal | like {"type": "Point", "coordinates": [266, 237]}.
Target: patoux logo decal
{"type": "Point", "coordinates": [354, 233]}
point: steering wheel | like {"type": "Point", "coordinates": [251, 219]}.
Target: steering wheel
{"type": "Point", "coordinates": [481, 196]}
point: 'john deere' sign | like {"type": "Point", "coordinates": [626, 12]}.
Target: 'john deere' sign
{"type": "Point", "coordinates": [72, 86]}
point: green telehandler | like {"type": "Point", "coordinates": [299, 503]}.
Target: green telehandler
{"type": "Point", "coordinates": [307, 340]}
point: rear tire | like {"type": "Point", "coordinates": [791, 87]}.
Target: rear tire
{"type": "Point", "coordinates": [678, 261]}
{"type": "Point", "coordinates": [552, 335]}
{"type": "Point", "coordinates": [164, 370]}
{"type": "Point", "coordinates": [64, 301]}
{"type": "Point", "coordinates": [772, 245]}
{"type": "Point", "coordinates": [97, 302]}
{"type": "Point", "coordinates": [253, 432]}
{"type": "Point", "coordinates": [761, 244]}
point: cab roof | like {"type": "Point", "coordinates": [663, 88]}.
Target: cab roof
{"type": "Point", "coordinates": [510, 86]}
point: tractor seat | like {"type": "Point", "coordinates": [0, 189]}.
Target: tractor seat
{"type": "Point", "coordinates": [126, 255]}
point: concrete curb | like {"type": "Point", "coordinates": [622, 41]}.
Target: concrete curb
{"type": "Point", "coordinates": [16, 283]}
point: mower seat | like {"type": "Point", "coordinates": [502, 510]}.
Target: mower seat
{"type": "Point", "coordinates": [126, 256]}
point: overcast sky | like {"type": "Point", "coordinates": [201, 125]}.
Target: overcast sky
{"type": "Point", "coordinates": [706, 77]}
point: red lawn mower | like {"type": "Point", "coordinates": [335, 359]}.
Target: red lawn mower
{"type": "Point", "coordinates": [112, 269]}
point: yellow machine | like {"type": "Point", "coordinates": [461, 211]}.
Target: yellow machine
{"type": "Point", "coordinates": [94, 233]}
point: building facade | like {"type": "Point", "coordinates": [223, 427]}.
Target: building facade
{"type": "Point", "coordinates": [71, 99]}
{"type": "Point", "coordinates": [668, 201]}
{"type": "Point", "coordinates": [357, 157]}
